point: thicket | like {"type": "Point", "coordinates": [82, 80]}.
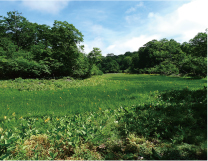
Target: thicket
{"type": "Point", "coordinates": [164, 57]}
{"type": "Point", "coordinates": [30, 50]}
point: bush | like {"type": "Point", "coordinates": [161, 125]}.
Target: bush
{"type": "Point", "coordinates": [95, 70]}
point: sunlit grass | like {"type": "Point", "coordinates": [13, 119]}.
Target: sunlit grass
{"type": "Point", "coordinates": [110, 117]}
{"type": "Point", "coordinates": [109, 91]}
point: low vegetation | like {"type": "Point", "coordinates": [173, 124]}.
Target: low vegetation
{"type": "Point", "coordinates": [113, 116]}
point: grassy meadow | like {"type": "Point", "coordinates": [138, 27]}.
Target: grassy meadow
{"type": "Point", "coordinates": [113, 116]}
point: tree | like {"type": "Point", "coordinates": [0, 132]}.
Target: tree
{"type": "Point", "coordinates": [186, 47]}
{"type": "Point", "coordinates": [94, 57]}
{"type": "Point", "coordinates": [33, 50]}
{"type": "Point", "coordinates": [194, 66]}
{"type": "Point", "coordinates": [134, 68]}
{"type": "Point", "coordinates": [127, 62]}
{"type": "Point", "coordinates": [64, 40]}
{"type": "Point", "coordinates": [18, 29]}
{"type": "Point", "coordinates": [111, 54]}
{"type": "Point", "coordinates": [199, 45]}
{"type": "Point", "coordinates": [112, 67]}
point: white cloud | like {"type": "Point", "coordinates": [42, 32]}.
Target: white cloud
{"type": "Point", "coordinates": [150, 15]}
{"type": "Point", "coordinates": [132, 18]}
{"type": "Point", "coordinates": [132, 9]}
{"type": "Point", "coordinates": [52, 7]}
{"type": "Point", "coordinates": [96, 29]}
{"type": "Point", "coordinates": [129, 44]}
{"type": "Point", "coordinates": [101, 36]}
{"type": "Point", "coordinates": [120, 45]}
{"type": "Point", "coordinates": [96, 42]}
{"type": "Point", "coordinates": [185, 22]}
{"type": "Point", "coordinates": [182, 25]}
{"type": "Point", "coordinates": [111, 47]}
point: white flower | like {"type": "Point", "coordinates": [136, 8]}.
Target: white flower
{"type": "Point", "coordinates": [115, 122]}
{"type": "Point", "coordinates": [140, 158]}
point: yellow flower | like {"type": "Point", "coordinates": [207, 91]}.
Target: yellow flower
{"type": "Point", "coordinates": [60, 97]}
{"type": "Point", "coordinates": [5, 117]}
{"type": "Point", "coordinates": [47, 120]}
{"type": "Point", "coordinates": [57, 119]}
{"type": "Point", "coordinates": [1, 129]}
{"type": "Point", "coordinates": [13, 114]}
{"type": "Point", "coordinates": [99, 108]}
{"type": "Point", "coordinates": [36, 118]}
{"type": "Point", "coordinates": [20, 117]}
{"type": "Point", "coordinates": [150, 106]}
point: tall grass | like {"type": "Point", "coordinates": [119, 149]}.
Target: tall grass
{"type": "Point", "coordinates": [109, 117]}
{"type": "Point", "coordinates": [109, 91]}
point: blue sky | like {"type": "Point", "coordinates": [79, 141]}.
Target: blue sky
{"type": "Point", "coordinates": [118, 26]}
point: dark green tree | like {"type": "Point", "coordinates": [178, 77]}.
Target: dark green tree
{"type": "Point", "coordinates": [94, 57]}
{"type": "Point", "coordinates": [199, 45]}
{"type": "Point", "coordinates": [113, 67]}
{"type": "Point", "coordinates": [32, 50]}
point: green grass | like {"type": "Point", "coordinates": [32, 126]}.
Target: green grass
{"type": "Point", "coordinates": [109, 91]}
{"type": "Point", "coordinates": [113, 116]}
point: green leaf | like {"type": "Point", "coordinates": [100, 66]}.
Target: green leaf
{"type": "Point", "coordinates": [4, 156]}
{"type": "Point", "coordinates": [49, 158]}
{"type": "Point", "coordinates": [69, 133]}
{"type": "Point", "coordinates": [155, 154]}
{"type": "Point", "coordinates": [55, 154]}
{"type": "Point", "coordinates": [83, 132]}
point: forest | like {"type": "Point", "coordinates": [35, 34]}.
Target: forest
{"type": "Point", "coordinates": [31, 50]}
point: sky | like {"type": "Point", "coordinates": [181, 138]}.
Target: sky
{"type": "Point", "coordinates": [118, 26]}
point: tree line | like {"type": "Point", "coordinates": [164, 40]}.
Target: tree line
{"type": "Point", "coordinates": [31, 50]}
{"type": "Point", "coordinates": [164, 57]}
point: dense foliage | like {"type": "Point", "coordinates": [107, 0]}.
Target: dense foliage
{"type": "Point", "coordinates": [166, 57]}
{"type": "Point", "coordinates": [30, 50]}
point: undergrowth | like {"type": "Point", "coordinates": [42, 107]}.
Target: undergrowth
{"type": "Point", "coordinates": [172, 127]}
